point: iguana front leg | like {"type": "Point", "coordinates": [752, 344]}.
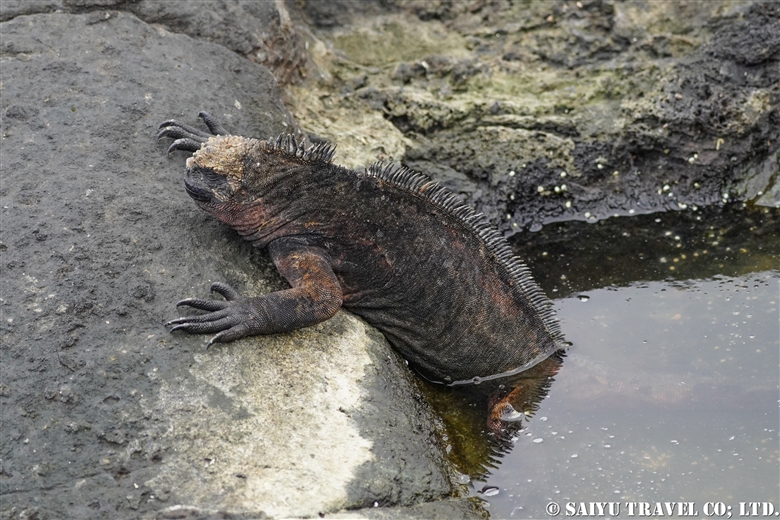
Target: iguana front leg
{"type": "Point", "coordinates": [315, 296]}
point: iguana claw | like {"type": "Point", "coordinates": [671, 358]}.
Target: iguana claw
{"type": "Point", "coordinates": [189, 138]}
{"type": "Point", "coordinates": [226, 317]}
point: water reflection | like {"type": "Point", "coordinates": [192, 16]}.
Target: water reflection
{"type": "Point", "coordinates": [670, 391]}
{"type": "Point", "coordinates": [576, 257]}
{"type": "Point", "coordinates": [482, 421]}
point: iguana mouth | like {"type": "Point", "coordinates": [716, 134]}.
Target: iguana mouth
{"type": "Point", "coordinates": [197, 192]}
{"type": "Point", "coordinates": [204, 184]}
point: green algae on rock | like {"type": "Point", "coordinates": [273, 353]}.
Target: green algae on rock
{"type": "Point", "coordinates": [542, 112]}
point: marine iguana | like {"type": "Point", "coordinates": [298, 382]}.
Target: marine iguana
{"type": "Point", "coordinates": [386, 243]}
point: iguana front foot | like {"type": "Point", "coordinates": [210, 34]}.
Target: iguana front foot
{"type": "Point", "coordinates": [186, 137]}
{"type": "Point", "coordinates": [231, 317]}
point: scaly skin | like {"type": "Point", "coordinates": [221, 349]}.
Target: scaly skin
{"type": "Point", "coordinates": [385, 243]}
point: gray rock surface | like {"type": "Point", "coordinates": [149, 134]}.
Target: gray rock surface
{"type": "Point", "coordinates": [257, 30]}
{"type": "Point", "coordinates": [104, 413]}
{"type": "Point", "coordinates": [451, 509]}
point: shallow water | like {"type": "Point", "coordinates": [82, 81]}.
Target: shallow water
{"type": "Point", "coordinates": [670, 394]}
{"type": "Point", "coordinates": [670, 391]}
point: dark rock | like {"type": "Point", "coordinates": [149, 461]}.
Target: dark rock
{"type": "Point", "coordinates": [336, 13]}
{"type": "Point", "coordinates": [546, 112]}
{"type": "Point", "coordinates": [703, 133]}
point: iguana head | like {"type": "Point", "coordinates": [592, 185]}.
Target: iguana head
{"type": "Point", "coordinates": [230, 174]}
{"type": "Point", "coordinates": [216, 173]}
{"type": "Point", "coordinates": [230, 177]}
